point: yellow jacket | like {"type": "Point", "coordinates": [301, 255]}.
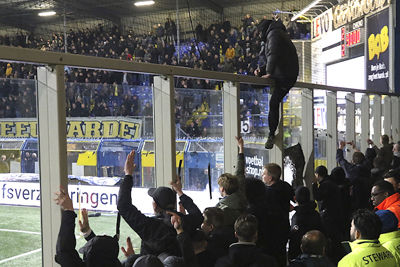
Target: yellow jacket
{"type": "Point", "coordinates": [368, 253]}
{"type": "Point", "coordinates": [391, 241]}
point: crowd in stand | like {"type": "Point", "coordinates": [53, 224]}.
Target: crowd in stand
{"type": "Point", "coordinates": [219, 47]}
{"type": "Point", "coordinates": [356, 223]}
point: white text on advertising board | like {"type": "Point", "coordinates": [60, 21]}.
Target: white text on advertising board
{"type": "Point", "coordinates": [354, 9]}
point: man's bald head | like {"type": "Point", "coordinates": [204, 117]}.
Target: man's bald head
{"type": "Point", "coordinates": [313, 243]}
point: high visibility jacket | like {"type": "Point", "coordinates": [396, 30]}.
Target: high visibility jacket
{"type": "Point", "coordinates": [391, 203]}
{"type": "Point", "coordinates": [368, 253]}
{"type": "Point", "coordinates": [391, 241]}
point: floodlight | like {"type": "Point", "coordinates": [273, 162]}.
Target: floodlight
{"type": "Point", "coordinates": [144, 3]}
{"type": "Point", "coordinates": [47, 13]}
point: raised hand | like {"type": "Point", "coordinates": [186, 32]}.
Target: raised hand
{"type": "Point", "coordinates": [84, 224]}
{"type": "Point", "coordinates": [240, 143]}
{"type": "Point", "coordinates": [177, 186]}
{"type": "Point", "coordinates": [176, 221]}
{"type": "Point", "coordinates": [63, 200]}
{"type": "Point", "coordinates": [129, 165]}
{"type": "Point", "coordinates": [129, 248]}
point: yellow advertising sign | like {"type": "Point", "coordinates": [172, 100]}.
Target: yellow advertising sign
{"type": "Point", "coordinates": [378, 43]}
{"type": "Point", "coordinates": [77, 128]}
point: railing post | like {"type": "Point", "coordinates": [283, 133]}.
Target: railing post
{"type": "Point", "coordinates": [350, 122]}
{"type": "Point", "coordinates": [331, 139]}
{"type": "Point", "coordinates": [395, 118]}
{"type": "Point", "coordinates": [365, 123]}
{"type": "Point", "coordinates": [52, 154]}
{"type": "Point", "coordinates": [164, 129]}
{"type": "Point", "coordinates": [307, 133]}
{"type": "Point", "coordinates": [231, 124]}
{"type": "Point", "coordinates": [387, 116]}
{"type": "Point", "coordinates": [376, 117]}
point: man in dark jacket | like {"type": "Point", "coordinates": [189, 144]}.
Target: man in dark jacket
{"type": "Point", "coordinates": [358, 175]}
{"type": "Point", "coordinates": [157, 233]}
{"type": "Point", "coordinates": [328, 196]}
{"type": "Point", "coordinates": [219, 235]}
{"type": "Point", "coordinates": [280, 193]}
{"type": "Point", "coordinates": [305, 219]}
{"type": "Point", "coordinates": [282, 65]}
{"type": "Point", "coordinates": [98, 251]}
{"type": "Point", "coordinates": [245, 253]}
{"type": "Point", "coordinates": [313, 245]}
{"type": "Point", "coordinates": [386, 151]}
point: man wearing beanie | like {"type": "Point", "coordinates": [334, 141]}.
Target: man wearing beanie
{"type": "Point", "coordinates": [390, 234]}
{"type": "Point", "coordinates": [157, 233]}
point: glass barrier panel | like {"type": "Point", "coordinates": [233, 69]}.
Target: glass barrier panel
{"type": "Point", "coordinates": [105, 122]}
{"type": "Point", "coordinates": [199, 138]}
{"type": "Point", "coordinates": [20, 224]}
{"type": "Point", "coordinates": [320, 128]}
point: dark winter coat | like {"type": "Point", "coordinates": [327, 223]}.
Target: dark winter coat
{"type": "Point", "coordinates": [245, 255]}
{"type": "Point", "coordinates": [157, 233]}
{"type": "Point", "coordinates": [305, 219]}
{"type": "Point", "coordinates": [280, 53]}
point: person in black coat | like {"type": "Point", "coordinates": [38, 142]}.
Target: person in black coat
{"type": "Point", "coordinates": [313, 246]}
{"type": "Point", "coordinates": [157, 233]}
{"type": "Point", "coordinates": [358, 176]}
{"type": "Point", "coordinates": [338, 177]}
{"type": "Point", "coordinates": [305, 219]}
{"type": "Point", "coordinates": [98, 251]}
{"type": "Point", "coordinates": [278, 194]}
{"type": "Point", "coordinates": [219, 235]}
{"type": "Point", "coordinates": [329, 203]}
{"type": "Point", "coordinates": [396, 157]}
{"type": "Point", "coordinates": [282, 65]}
{"type": "Point", "coordinates": [245, 252]}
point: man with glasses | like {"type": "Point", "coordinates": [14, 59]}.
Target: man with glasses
{"type": "Point", "coordinates": [383, 197]}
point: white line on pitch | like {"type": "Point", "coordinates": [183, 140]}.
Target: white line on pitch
{"type": "Point", "coordinates": [20, 255]}
{"type": "Point", "coordinates": [19, 231]}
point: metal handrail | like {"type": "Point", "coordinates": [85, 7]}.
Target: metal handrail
{"type": "Point", "coordinates": [8, 53]}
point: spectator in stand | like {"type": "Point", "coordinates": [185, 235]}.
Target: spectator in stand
{"type": "Point", "coordinates": [245, 252]}
{"type": "Point", "coordinates": [358, 175]}
{"type": "Point", "coordinates": [313, 247]}
{"type": "Point", "coordinates": [219, 235]}
{"type": "Point", "coordinates": [98, 251]}
{"type": "Point", "coordinates": [393, 177]}
{"type": "Point", "coordinates": [157, 233]}
{"type": "Point", "coordinates": [231, 187]}
{"type": "Point", "coordinates": [282, 66]}
{"type": "Point", "coordinates": [390, 234]}
{"type": "Point", "coordinates": [384, 197]}
{"type": "Point", "coordinates": [305, 219]}
{"type": "Point", "coordinates": [386, 151]}
{"type": "Point", "coordinates": [267, 213]}
{"type": "Point", "coordinates": [338, 177]}
{"type": "Point", "coordinates": [9, 71]}
{"type": "Point", "coordinates": [280, 193]}
{"type": "Point", "coordinates": [396, 157]}
{"type": "Point", "coordinates": [365, 248]}
{"type": "Point", "coordinates": [329, 203]}
{"type": "Point", "coordinates": [378, 170]}
{"type": "Point", "coordinates": [230, 52]}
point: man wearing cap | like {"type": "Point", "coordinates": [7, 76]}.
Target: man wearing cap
{"type": "Point", "coordinates": [282, 65]}
{"type": "Point", "coordinates": [390, 234]}
{"type": "Point", "coordinates": [157, 233]}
